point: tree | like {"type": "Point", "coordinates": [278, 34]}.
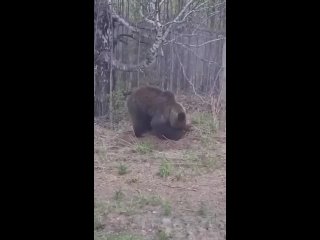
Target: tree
{"type": "Point", "coordinates": [185, 39]}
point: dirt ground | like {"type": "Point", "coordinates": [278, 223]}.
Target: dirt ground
{"type": "Point", "coordinates": [151, 189]}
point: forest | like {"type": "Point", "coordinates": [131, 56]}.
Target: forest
{"type": "Point", "coordinates": [146, 187]}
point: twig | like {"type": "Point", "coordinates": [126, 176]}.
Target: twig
{"type": "Point", "coordinates": [186, 77]}
{"type": "Point", "coordinates": [124, 141]}
{"type": "Point", "coordinates": [189, 164]}
{"type": "Point", "coordinates": [186, 209]}
{"type": "Point", "coordinates": [190, 189]}
{"type": "Point", "coordinates": [200, 45]}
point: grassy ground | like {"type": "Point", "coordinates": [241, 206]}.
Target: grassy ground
{"type": "Point", "coordinates": [148, 188]}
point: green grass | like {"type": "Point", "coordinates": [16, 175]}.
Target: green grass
{"type": "Point", "coordinates": [100, 211]}
{"type": "Point", "coordinates": [165, 169]}
{"type": "Point", "coordinates": [119, 195]}
{"type": "Point", "coordinates": [162, 235]}
{"type": "Point", "coordinates": [166, 208]}
{"type": "Point", "coordinates": [152, 200]}
{"type": "Point", "coordinates": [120, 236]}
{"type": "Point", "coordinates": [205, 121]}
{"type": "Point", "coordinates": [207, 125]}
{"type": "Point", "coordinates": [133, 205]}
{"type": "Point", "coordinates": [203, 210]}
{"type": "Point", "coordinates": [122, 169]}
{"type": "Point", "coordinates": [143, 147]}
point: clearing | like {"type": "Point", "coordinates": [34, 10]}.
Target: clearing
{"type": "Point", "coordinates": [152, 189]}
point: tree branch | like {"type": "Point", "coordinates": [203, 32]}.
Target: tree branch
{"type": "Point", "coordinates": [186, 77]}
{"type": "Point", "coordinates": [200, 45]}
{"type": "Point", "coordinates": [160, 36]}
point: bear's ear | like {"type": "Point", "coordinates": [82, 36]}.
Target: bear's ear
{"type": "Point", "coordinates": [181, 116]}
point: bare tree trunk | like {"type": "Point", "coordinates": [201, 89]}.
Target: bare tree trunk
{"type": "Point", "coordinates": [122, 52]}
{"type": "Point", "coordinates": [189, 67]}
{"type": "Point", "coordinates": [207, 66]}
{"type": "Point", "coordinates": [159, 78]}
{"type": "Point", "coordinates": [223, 87]}
{"type": "Point", "coordinates": [209, 69]}
{"type": "Point", "coordinates": [196, 67]}
{"type": "Point", "coordinates": [172, 63]}
{"type": "Point", "coordinates": [179, 69]}
{"type": "Point", "coordinates": [129, 55]}
{"type": "Point", "coordinates": [111, 77]}
{"type": "Point", "coordinates": [139, 59]}
{"type": "Point", "coordinates": [95, 44]}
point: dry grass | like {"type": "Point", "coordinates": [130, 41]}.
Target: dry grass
{"type": "Point", "coordinates": [148, 188]}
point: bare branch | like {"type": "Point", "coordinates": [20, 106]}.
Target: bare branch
{"type": "Point", "coordinates": [186, 77]}
{"type": "Point", "coordinates": [176, 19]}
{"type": "Point", "coordinates": [146, 18]}
{"type": "Point", "coordinates": [200, 58]}
{"type": "Point", "coordinates": [121, 20]}
{"type": "Point", "coordinates": [124, 22]}
{"type": "Point", "coordinates": [160, 36]}
{"type": "Point", "coordinates": [193, 32]}
{"type": "Point", "coordinates": [200, 45]}
{"type": "Point", "coordinates": [161, 3]}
